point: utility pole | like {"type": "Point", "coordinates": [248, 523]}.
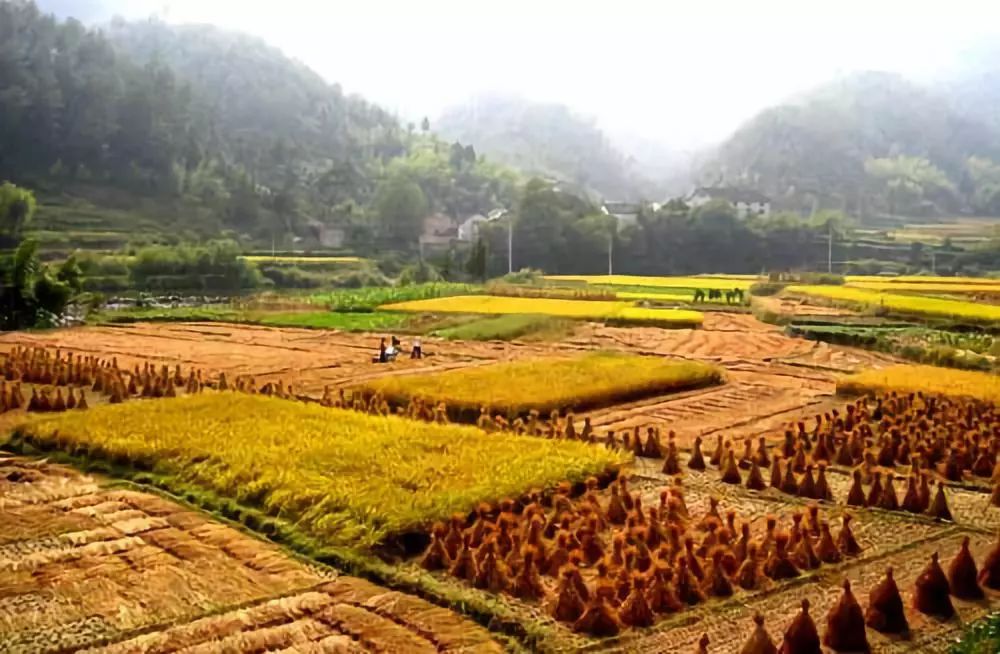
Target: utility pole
{"type": "Point", "coordinates": [611, 245]}
{"type": "Point", "coordinates": [499, 214]}
{"type": "Point", "coordinates": [510, 245]}
{"type": "Point", "coordinates": [933, 261]}
{"type": "Point", "coordinates": [829, 249]}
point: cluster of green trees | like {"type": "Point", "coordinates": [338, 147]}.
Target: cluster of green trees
{"type": "Point", "coordinates": [219, 126]}
{"type": "Point", "coordinates": [436, 178]}
{"type": "Point", "coordinates": [561, 233]}
{"type": "Point", "coordinates": [31, 293]}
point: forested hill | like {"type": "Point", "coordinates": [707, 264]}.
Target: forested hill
{"type": "Point", "coordinates": [870, 142]}
{"type": "Point", "coordinates": [547, 140]}
{"type": "Point", "coordinates": [193, 131]}
{"type": "Point", "coordinates": [261, 106]}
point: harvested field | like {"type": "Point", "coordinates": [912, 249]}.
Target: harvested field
{"type": "Point", "coordinates": [592, 380]}
{"type": "Point", "coordinates": [307, 359]}
{"type": "Point", "coordinates": [87, 566]}
{"type": "Point", "coordinates": [748, 402]}
{"type": "Point", "coordinates": [772, 380]}
{"type": "Point", "coordinates": [799, 307]}
{"type": "Point", "coordinates": [900, 540]}
{"type": "Point", "coordinates": [310, 360]}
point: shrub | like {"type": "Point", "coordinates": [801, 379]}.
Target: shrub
{"type": "Point", "coordinates": [214, 266]}
{"type": "Point", "coordinates": [767, 288]}
{"type": "Point", "coordinates": [822, 279]}
{"type": "Point", "coordinates": [293, 277]}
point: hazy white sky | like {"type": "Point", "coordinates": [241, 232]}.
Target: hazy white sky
{"type": "Point", "coordinates": [686, 72]}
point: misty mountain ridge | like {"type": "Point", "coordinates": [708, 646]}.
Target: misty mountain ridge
{"type": "Point", "coordinates": [850, 143]}
{"type": "Point", "coordinates": [549, 140]}
{"type": "Point", "coordinates": [830, 146]}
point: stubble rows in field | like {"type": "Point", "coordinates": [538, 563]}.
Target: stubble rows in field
{"type": "Point", "coordinates": [83, 565]}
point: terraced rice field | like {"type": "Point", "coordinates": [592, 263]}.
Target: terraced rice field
{"type": "Point", "coordinates": [227, 590]}
{"type": "Point", "coordinates": [85, 565]}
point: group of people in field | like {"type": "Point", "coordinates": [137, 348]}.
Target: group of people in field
{"type": "Point", "coordinates": [389, 353]}
{"type": "Point", "coordinates": [734, 296]}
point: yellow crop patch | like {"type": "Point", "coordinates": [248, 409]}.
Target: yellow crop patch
{"type": "Point", "coordinates": [926, 379]}
{"type": "Point", "coordinates": [300, 260]}
{"type": "Point", "coordinates": [600, 310]}
{"type": "Point", "coordinates": [921, 279]}
{"type": "Point", "coordinates": [723, 282]}
{"type": "Point", "coordinates": [341, 476]}
{"type": "Point", "coordinates": [930, 287]}
{"type": "Point", "coordinates": [902, 304]}
{"type": "Point", "coordinates": [514, 389]}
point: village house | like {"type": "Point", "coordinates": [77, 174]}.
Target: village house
{"type": "Point", "coordinates": [468, 229]}
{"type": "Point", "coordinates": [746, 202]}
{"type": "Point", "coordinates": [439, 231]}
{"type": "Point", "coordinates": [626, 213]}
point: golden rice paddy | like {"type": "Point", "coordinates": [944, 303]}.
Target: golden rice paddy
{"type": "Point", "coordinates": [902, 304]}
{"type": "Point", "coordinates": [722, 282]}
{"type": "Point", "coordinates": [343, 477]}
{"type": "Point", "coordinates": [592, 380]}
{"type": "Point", "coordinates": [924, 379]}
{"type": "Point", "coordinates": [600, 310]}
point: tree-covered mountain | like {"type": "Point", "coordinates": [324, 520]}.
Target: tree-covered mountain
{"type": "Point", "coordinates": [868, 143]}
{"type": "Point", "coordinates": [548, 140]}
{"type": "Point", "coordinates": [201, 131]}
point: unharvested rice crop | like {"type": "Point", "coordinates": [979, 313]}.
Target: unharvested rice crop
{"type": "Point", "coordinates": [921, 279]}
{"type": "Point", "coordinates": [721, 283]}
{"type": "Point", "coordinates": [578, 309]}
{"type": "Point", "coordinates": [926, 379]}
{"type": "Point", "coordinates": [341, 476]}
{"type": "Point", "coordinates": [903, 304]}
{"type": "Point", "coordinates": [929, 287]}
{"type": "Point", "coordinates": [371, 297]}
{"type": "Point", "coordinates": [659, 297]}
{"type": "Point", "coordinates": [591, 380]}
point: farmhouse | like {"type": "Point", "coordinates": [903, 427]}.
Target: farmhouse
{"type": "Point", "coordinates": [468, 229]}
{"type": "Point", "coordinates": [439, 231]}
{"type": "Point", "coordinates": [626, 213]}
{"type": "Point", "coordinates": [746, 202]}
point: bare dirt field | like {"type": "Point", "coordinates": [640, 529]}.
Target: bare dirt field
{"type": "Point", "coordinates": [799, 307]}
{"type": "Point", "coordinates": [85, 566]}
{"type": "Point", "coordinates": [313, 359]}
